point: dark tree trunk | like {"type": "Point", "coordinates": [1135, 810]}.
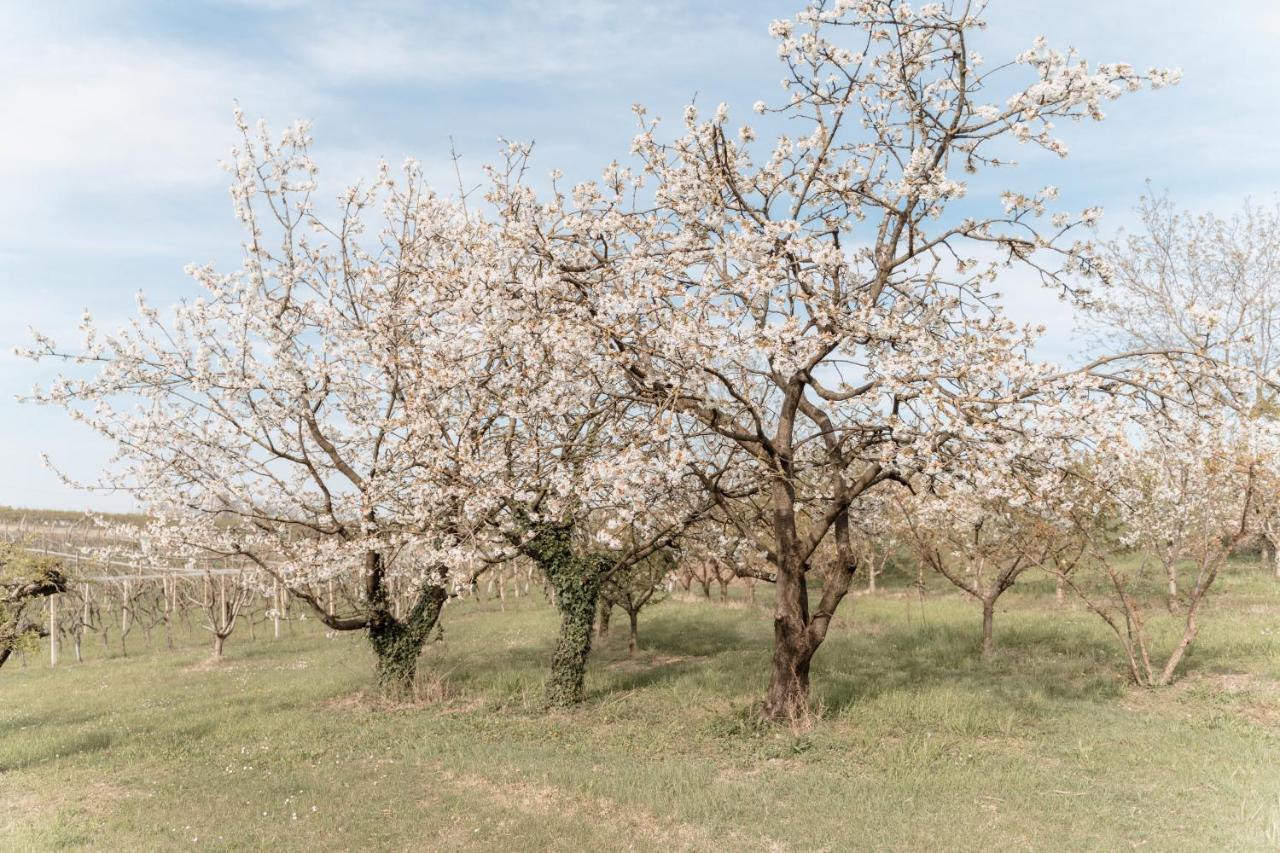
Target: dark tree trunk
{"type": "Point", "coordinates": [397, 643]}
{"type": "Point", "coordinates": [633, 639]}
{"type": "Point", "coordinates": [218, 641]}
{"type": "Point", "coordinates": [787, 697]}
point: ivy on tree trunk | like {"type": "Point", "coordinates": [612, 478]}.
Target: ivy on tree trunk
{"type": "Point", "coordinates": [576, 581]}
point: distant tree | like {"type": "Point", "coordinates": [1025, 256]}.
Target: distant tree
{"type": "Point", "coordinates": [1208, 282]}
{"type": "Point", "coordinates": [637, 586]}
{"type": "Point", "coordinates": [981, 530]}
{"type": "Point", "coordinates": [1195, 485]}
{"type": "Point", "coordinates": [24, 578]}
{"type": "Point", "coordinates": [222, 608]}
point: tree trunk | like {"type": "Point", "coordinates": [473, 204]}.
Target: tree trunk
{"type": "Point", "coordinates": [84, 620]}
{"type": "Point", "coordinates": [576, 600]}
{"type": "Point", "coordinates": [218, 640]}
{"type": "Point", "coordinates": [871, 577]}
{"type": "Point", "coordinates": [1171, 571]}
{"type": "Point", "coordinates": [168, 612]}
{"type": "Point", "coordinates": [275, 610]}
{"type": "Point", "coordinates": [1171, 666]}
{"type": "Point", "coordinates": [1269, 558]}
{"type": "Point", "coordinates": [602, 619]}
{"type": "Point", "coordinates": [396, 643]}
{"type": "Point", "coordinates": [576, 582]}
{"type": "Point", "coordinates": [787, 697]}
{"type": "Point", "coordinates": [125, 621]}
{"type": "Point", "coordinates": [634, 637]}
{"type": "Point", "coordinates": [1060, 592]}
{"type": "Point", "coordinates": [988, 616]}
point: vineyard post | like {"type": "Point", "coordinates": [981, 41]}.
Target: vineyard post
{"type": "Point", "coordinates": [53, 630]}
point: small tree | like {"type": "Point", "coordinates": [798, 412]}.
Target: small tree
{"type": "Point", "coordinates": [982, 532]}
{"type": "Point", "coordinates": [878, 530]}
{"type": "Point", "coordinates": [637, 586]}
{"type": "Point", "coordinates": [222, 608]}
{"type": "Point", "coordinates": [1208, 282]}
{"type": "Point", "coordinates": [1199, 483]}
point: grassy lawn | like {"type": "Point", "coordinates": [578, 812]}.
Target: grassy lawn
{"type": "Point", "coordinates": [921, 745]}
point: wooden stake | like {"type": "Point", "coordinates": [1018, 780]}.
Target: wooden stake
{"type": "Point", "coordinates": [53, 630]}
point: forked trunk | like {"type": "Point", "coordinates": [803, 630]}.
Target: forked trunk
{"type": "Point", "coordinates": [397, 643]}
{"type": "Point", "coordinates": [396, 663]}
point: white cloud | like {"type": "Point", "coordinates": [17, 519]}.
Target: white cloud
{"type": "Point", "coordinates": [594, 41]}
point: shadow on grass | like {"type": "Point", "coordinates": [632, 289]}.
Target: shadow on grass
{"type": "Point", "coordinates": [33, 750]}
{"type": "Point", "coordinates": [1036, 663]}
{"type": "Point", "coordinates": [1033, 665]}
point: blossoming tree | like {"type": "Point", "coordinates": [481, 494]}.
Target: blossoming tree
{"type": "Point", "coordinates": [1208, 282]}
{"type": "Point", "coordinates": [828, 310]}
{"type": "Point", "coordinates": [1191, 488]}
{"type": "Point", "coordinates": [306, 412]}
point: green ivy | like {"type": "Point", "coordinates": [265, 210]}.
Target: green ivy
{"type": "Point", "coordinates": [576, 582]}
{"type": "Point", "coordinates": [397, 643]}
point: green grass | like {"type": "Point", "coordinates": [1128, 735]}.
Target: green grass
{"type": "Point", "coordinates": [921, 745]}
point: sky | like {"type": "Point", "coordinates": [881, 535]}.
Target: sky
{"type": "Point", "coordinates": [114, 115]}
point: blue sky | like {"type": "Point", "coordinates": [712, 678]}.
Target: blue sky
{"type": "Point", "coordinates": [115, 113]}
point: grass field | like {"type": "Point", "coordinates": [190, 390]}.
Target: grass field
{"type": "Point", "coordinates": [921, 745]}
